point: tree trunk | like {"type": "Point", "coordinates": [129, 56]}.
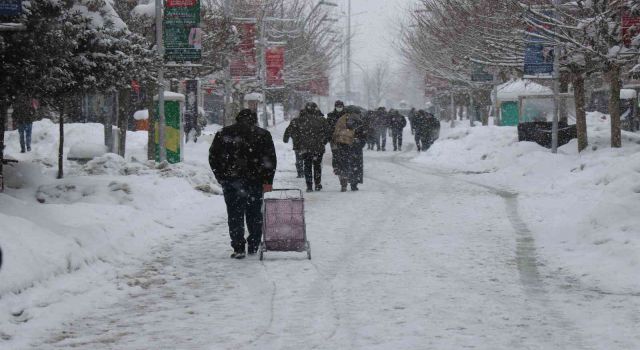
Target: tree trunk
{"type": "Point", "coordinates": [3, 122]}
{"type": "Point", "coordinates": [151, 141]}
{"type": "Point", "coordinates": [123, 99]}
{"type": "Point", "coordinates": [614, 106]}
{"type": "Point", "coordinates": [61, 139]}
{"type": "Point", "coordinates": [581, 116]}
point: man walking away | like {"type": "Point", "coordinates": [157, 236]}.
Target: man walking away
{"type": "Point", "coordinates": [433, 131]}
{"type": "Point", "coordinates": [24, 114]}
{"type": "Point", "coordinates": [381, 124]}
{"type": "Point", "coordinates": [243, 159]}
{"type": "Point", "coordinates": [397, 122]}
{"type": "Point", "coordinates": [427, 130]}
{"type": "Point", "coordinates": [311, 132]}
{"type": "Point", "coordinates": [296, 150]}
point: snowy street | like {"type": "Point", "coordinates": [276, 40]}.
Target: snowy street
{"type": "Point", "coordinates": [415, 260]}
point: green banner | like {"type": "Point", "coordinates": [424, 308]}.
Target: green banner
{"type": "Point", "coordinates": [181, 30]}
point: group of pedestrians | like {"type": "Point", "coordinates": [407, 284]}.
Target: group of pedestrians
{"type": "Point", "coordinates": [243, 158]}
{"type": "Point", "coordinates": [382, 122]}
{"type": "Point", "coordinates": [344, 129]}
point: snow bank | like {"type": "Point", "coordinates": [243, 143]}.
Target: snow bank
{"type": "Point", "coordinates": [86, 151]}
{"type": "Point", "coordinates": [582, 206]}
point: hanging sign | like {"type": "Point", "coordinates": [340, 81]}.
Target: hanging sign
{"type": "Point", "coordinates": [182, 33]}
{"type": "Point", "coordinates": [10, 7]}
{"type": "Point", "coordinates": [244, 65]}
{"type": "Point", "coordinates": [275, 66]}
{"type": "Point", "coordinates": [479, 74]}
{"type": "Point", "coordinates": [538, 53]}
{"type": "Point", "coordinates": [191, 105]}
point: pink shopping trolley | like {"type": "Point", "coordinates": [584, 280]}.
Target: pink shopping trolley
{"type": "Point", "coordinates": [284, 228]}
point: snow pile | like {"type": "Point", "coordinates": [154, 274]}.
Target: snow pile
{"type": "Point", "coordinates": [86, 151]}
{"type": "Point", "coordinates": [582, 206]}
{"type": "Point", "coordinates": [141, 115]}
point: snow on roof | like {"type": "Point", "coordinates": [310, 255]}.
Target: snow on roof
{"type": "Point", "coordinates": [141, 115]}
{"type": "Point", "coordinates": [171, 96]}
{"type": "Point", "coordinates": [627, 94]}
{"type": "Point", "coordinates": [515, 88]}
{"type": "Point", "coordinates": [148, 10]}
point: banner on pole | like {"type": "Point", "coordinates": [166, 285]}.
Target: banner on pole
{"type": "Point", "coordinates": [10, 7]}
{"type": "Point", "coordinates": [244, 65]}
{"type": "Point", "coordinates": [275, 66]}
{"type": "Point", "coordinates": [539, 52]}
{"type": "Point", "coordinates": [182, 33]}
{"type": "Point", "coordinates": [630, 27]}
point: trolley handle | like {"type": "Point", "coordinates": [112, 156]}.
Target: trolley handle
{"type": "Point", "coordinates": [287, 190]}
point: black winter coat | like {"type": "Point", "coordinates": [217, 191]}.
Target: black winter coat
{"type": "Point", "coordinates": [397, 121]}
{"type": "Point", "coordinates": [310, 133]}
{"type": "Point", "coordinates": [243, 151]}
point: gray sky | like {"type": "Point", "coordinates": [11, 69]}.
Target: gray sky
{"type": "Point", "coordinates": [376, 29]}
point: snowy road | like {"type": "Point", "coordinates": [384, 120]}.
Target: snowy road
{"type": "Point", "coordinates": [412, 261]}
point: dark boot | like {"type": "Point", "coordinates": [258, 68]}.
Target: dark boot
{"type": "Point", "coordinates": [354, 187]}
{"type": "Point", "coordinates": [309, 187]}
{"type": "Point", "coordinates": [343, 185]}
{"type": "Point", "coordinates": [318, 187]}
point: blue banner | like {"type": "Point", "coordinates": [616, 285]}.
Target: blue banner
{"type": "Point", "coordinates": [10, 7]}
{"type": "Point", "coordinates": [538, 54]}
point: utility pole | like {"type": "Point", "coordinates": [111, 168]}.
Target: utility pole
{"type": "Point", "coordinates": [226, 114]}
{"type": "Point", "coordinates": [556, 88]}
{"type": "Point", "coordinates": [347, 81]}
{"type": "Point", "coordinates": [161, 116]}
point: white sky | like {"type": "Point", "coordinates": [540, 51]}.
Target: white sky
{"type": "Point", "coordinates": [376, 29]}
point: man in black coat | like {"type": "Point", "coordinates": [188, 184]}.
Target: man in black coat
{"type": "Point", "coordinates": [311, 132]}
{"type": "Point", "coordinates": [427, 130]}
{"type": "Point", "coordinates": [243, 159]}
{"type": "Point", "coordinates": [381, 124]}
{"type": "Point", "coordinates": [296, 149]}
{"type": "Point", "coordinates": [397, 123]}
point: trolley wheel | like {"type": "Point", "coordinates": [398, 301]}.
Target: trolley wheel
{"type": "Point", "coordinates": [308, 247]}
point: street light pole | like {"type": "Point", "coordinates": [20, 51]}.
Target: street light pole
{"type": "Point", "coordinates": [161, 116]}
{"type": "Point", "coordinates": [227, 74]}
{"type": "Point", "coordinates": [556, 89]}
{"type": "Point", "coordinates": [347, 81]}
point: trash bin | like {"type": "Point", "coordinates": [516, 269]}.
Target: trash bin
{"type": "Point", "coordinates": [540, 133]}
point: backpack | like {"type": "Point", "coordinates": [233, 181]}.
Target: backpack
{"type": "Point", "coordinates": [342, 134]}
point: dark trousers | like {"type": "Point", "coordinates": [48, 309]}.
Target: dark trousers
{"type": "Point", "coordinates": [381, 140]}
{"type": "Point", "coordinates": [299, 163]}
{"type": "Point", "coordinates": [312, 167]}
{"type": "Point", "coordinates": [24, 129]}
{"type": "Point", "coordinates": [244, 201]}
{"type": "Point", "coordinates": [396, 134]}
{"type": "Point", "coordinates": [424, 141]}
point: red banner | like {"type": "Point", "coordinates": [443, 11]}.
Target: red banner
{"type": "Point", "coordinates": [243, 64]}
{"type": "Point", "coordinates": [181, 3]}
{"type": "Point", "coordinates": [630, 27]}
{"type": "Point", "coordinates": [275, 66]}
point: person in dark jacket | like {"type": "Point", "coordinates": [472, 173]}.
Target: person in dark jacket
{"type": "Point", "coordinates": [311, 132]}
{"type": "Point", "coordinates": [243, 159]}
{"type": "Point", "coordinates": [349, 138]}
{"type": "Point", "coordinates": [296, 149]}
{"type": "Point", "coordinates": [369, 123]}
{"type": "Point", "coordinates": [411, 116]}
{"type": "Point", "coordinates": [397, 123]}
{"type": "Point", "coordinates": [427, 130]}
{"type": "Point", "coordinates": [381, 124]}
{"type": "Point", "coordinates": [24, 114]}
{"type": "Point", "coordinates": [338, 111]}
